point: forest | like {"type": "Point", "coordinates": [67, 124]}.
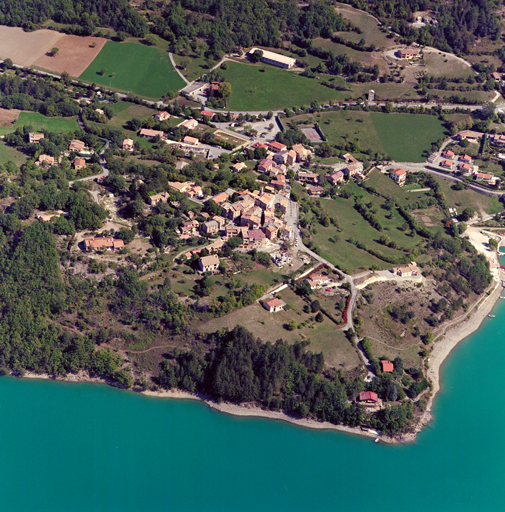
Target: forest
{"type": "Point", "coordinates": [83, 17]}
{"type": "Point", "coordinates": [278, 376]}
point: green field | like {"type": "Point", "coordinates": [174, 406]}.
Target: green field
{"type": "Point", "coordinates": [39, 122]}
{"type": "Point", "coordinates": [136, 68]}
{"type": "Point", "coordinates": [407, 137]}
{"type": "Point", "coordinates": [275, 88]}
{"type": "Point", "coordinates": [7, 153]}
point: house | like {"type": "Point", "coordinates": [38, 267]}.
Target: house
{"type": "Point", "coordinates": [238, 166]}
{"type": "Point", "coordinates": [34, 138]}
{"type": "Point", "coordinates": [189, 228]}
{"type": "Point", "coordinates": [469, 135]}
{"type": "Point", "coordinates": [369, 397]}
{"type": "Point", "coordinates": [408, 53]}
{"type": "Point", "coordinates": [407, 270]}
{"type": "Point", "coordinates": [464, 168]}
{"type": "Point", "coordinates": [45, 159]}
{"type": "Point", "coordinates": [254, 239]}
{"type": "Point", "coordinates": [207, 115]}
{"type": "Point", "coordinates": [150, 134]}
{"type": "Point", "coordinates": [189, 124]}
{"type": "Point", "coordinates": [162, 197]}
{"type": "Point", "coordinates": [448, 154]}
{"type": "Point", "coordinates": [265, 201]}
{"type": "Point", "coordinates": [308, 176]}
{"type": "Point", "coordinates": [193, 141]}
{"type": "Point", "coordinates": [250, 221]}
{"type": "Point", "coordinates": [283, 206]}
{"type": "Point", "coordinates": [499, 139]}
{"type": "Point", "coordinates": [281, 157]}
{"type": "Point", "coordinates": [162, 116]}
{"type": "Point", "coordinates": [489, 179]}
{"type": "Point", "coordinates": [210, 227]}
{"type": "Point", "coordinates": [353, 169]}
{"type": "Point", "coordinates": [317, 281]}
{"type": "Point", "coordinates": [398, 176]}
{"type": "Point", "coordinates": [265, 165]}
{"type": "Point", "coordinates": [128, 145]}
{"type": "Point", "coordinates": [302, 154]}
{"type": "Point", "coordinates": [278, 184]}
{"type": "Point", "coordinates": [497, 76]}
{"type": "Point", "coordinates": [258, 145]}
{"type": "Point", "coordinates": [195, 191]}
{"type": "Point", "coordinates": [274, 305]}
{"type": "Point", "coordinates": [234, 231]}
{"type": "Point", "coordinates": [315, 191]}
{"type": "Point", "coordinates": [270, 232]}
{"type": "Point", "coordinates": [446, 164]}
{"type": "Point", "coordinates": [103, 243]}
{"type": "Point", "coordinates": [387, 366]}
{"type": "Point", "coordinates": [76, 145]}
{"type": "Point", "coordinates": [276, 147]}
{"type": "Point", "coordinates": [335, 178]}
{"type": "Point", "coordinates": [275, 59]}
{"type": "Point", "coordinates": [223, 196]}
{"type": "Point", "coordinates": [208, 263]}
{"type": "Point", "coordinates": [79, 163]}
{"type": "Point", "coordinates": [349, 159]}
{"type": "Point", "coordinates": [465, 158]}
{"type": "Point", "coordinates": [220, 221]}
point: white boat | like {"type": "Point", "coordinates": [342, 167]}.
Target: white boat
{"type": "Point", "coordinates": [502, 297]}
{"type": "Point", "coordinates": [491, 316]}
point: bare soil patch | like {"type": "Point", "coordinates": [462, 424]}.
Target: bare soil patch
{"type": "Point", "coordinates": [8, 116]}
{"type": "Point", "coordinates": [24, 48]}
{"type": "Point", "coordinates": [74, 56]}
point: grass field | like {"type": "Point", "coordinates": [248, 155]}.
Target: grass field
{"type": "Point", "coordinates": [39, 122]}
{"type": "Point", "coordinates": [275, 88]}
{"type": "Point", "coordinates": [136, 68]}
{"type": "Point", "coordinates": [407, 137]}
{"type": "Point", "coordinates": [324, 337]}
{"type": "Point", "coordinates": [7, 153]}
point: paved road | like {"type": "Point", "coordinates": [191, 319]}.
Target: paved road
{"type": "Point", "coordinates": [171, 55]}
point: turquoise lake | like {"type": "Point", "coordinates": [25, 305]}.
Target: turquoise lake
{"type": "Point", "coordinates": [85, 447]}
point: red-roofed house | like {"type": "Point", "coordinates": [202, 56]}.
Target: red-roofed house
{"type": "Point", "coordinates": [398, 176]}
{"type": "Point", "coordinates": [447, 164]}
{"type": "Point", "coordinates": [162, 116]}
{"type": "Point", "coordinates": [79, 163]}
{"type": "Point", "coordinates": [335, 178]}
{"type": "Point", "coordinates": [465, 167]}
{"type": "Point", "coordinates": [276, 147]}
{"type": "Point", "coordinates": [207, 115]}
{"type": "Point", "coordinates": [265, 165]}
{"type": "Point", "coordinates": [387, 366]}
{"type": "Point", "coordinates": [223, 196]}
{"type": "Point", "coordinates": [368, 396]}
{"type": "Point", "coordinates": [103, 243]}
{"type": "Point", "coordinates": [448, 154]}
{"type": "Point", "coordinates": [465, 158]}
{"type": "Point", "coordinates": [274, 305]}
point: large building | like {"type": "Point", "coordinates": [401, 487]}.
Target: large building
{"type": "Point", "coordinates": [276, 59]}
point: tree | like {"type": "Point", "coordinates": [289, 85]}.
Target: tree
{"type": "Point", "coordinates": [319, 317]}
{"type": "Point", "coordinates": [466, 214]}
{"type": "Point", "coordinates": [127, 235]}
{"type": "Point", "coordinates": [8, 63]}
{"type": "Point", "coordinates": [225, 90]}
{"type": "Point", "coordinates": [54, 51]}
{"type": "Point", "coordinates": [493, 244]}
{"type": "Point", "coordinates": [102, 71]}
{"type": "Point", "coordinates": [151, 39]}
{"type": "Point", "coordinates": [257, 56]}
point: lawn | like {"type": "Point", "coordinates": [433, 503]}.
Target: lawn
{"type": "Point", "coordinates": [136, 68]}
{"type": "Point", "coordinates": [275, 88]}
{"type": "Point", "coordinates": [8, 153]}
{"type": "Point", "coordinates": [462, 199]}
{"type": "Point", "coordinates": [324, 337]}
{"type": "Point", "coordinates": [39, 122]}
{"type": "Point", "coordinates": [194, 66]}
{"type": "Point", "coordinates": [407, 137]}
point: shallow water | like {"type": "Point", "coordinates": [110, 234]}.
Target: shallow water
{"type": "Point", "coordinates": [88, 447]}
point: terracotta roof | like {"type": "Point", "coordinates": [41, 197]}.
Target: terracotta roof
{"type": "Point", "coordinates": [387, 366]}
{"type": "Point", "coordinates": [399, 172]}
{"type": "Point", "coordinates": [274, 303]}
{"type": "Point", "coordinates": [368, 395]}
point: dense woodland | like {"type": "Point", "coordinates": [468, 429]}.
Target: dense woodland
{"type": "Point", "coordinates": [83, 17]}
{"type": "Point", "coordinates": [278, 376]}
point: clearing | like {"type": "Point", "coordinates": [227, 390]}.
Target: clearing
{"type": "Point", "coordinates": [39, 122]}
{"type": "Point", "coordinates": [256, 90]}
{"type": "Point", "coordinates": [134, 67]}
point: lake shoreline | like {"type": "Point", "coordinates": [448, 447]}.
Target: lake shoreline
{"type": "Point", "coordinates": [451, 338]}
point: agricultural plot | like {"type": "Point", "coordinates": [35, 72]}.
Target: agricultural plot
{"type": "Point", "coordinates": [407, 137]}
{"type": "Point", "coordinates": [133, 67]}
{"type": "Point", "coordinates": [254, 90]}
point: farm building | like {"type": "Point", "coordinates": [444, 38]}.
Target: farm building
{"type": "Point", "coordinates": [194, 88]}
{"type": "Point", "coordinates": [275, 59]}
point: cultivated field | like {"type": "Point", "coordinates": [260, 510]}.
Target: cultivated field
{"type": "Point", "coordinates": [8, 117]}
{"type": "Point", "coordinates": [24, 48]}
{"type": "Point", "coordinates": [133, 67]}
{"type": "Point", "coordinates": [74, 56]}
{"type": "Point", "coordinates": [254, 90]}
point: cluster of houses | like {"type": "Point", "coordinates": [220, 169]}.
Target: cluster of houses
{"type": "Point", "coordinates": [463, 164]}
{"type": "Point", "coordinates": [279, 158]}
{"type": "Point", "coordinates": [75, 146]}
